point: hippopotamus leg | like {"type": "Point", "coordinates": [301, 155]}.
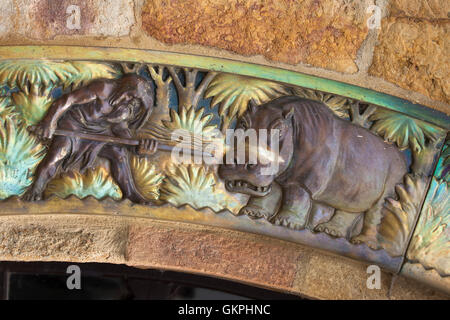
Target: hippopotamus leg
{"type": "Point", "coordinates": [295, 207]}
{"type": "Point", "coordinates": [372, 217]}
{"type": "Point", "coordinates": [263, 207]}
{"type": "Point", "coordinates": [340, 225]}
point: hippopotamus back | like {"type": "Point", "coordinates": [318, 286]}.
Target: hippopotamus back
{"type": "Point", "coordinates": [340, 163]}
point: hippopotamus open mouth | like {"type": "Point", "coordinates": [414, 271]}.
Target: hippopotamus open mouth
{"type": "Point", "coordinates": [241, 186]}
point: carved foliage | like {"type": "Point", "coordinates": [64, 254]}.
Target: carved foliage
{"type": "Point", "coordinates": [193, 121]}
{"type": "Point", "coordinates": [31, 108]}
{"type": "Point", "coordinates": [199, 186]}
{"type": "Point", "coordinates": [399, 215]}
{"type": "Point", "coordinates": [422, 138]}
{"type": "Point", "coordinates": [339, 105]}
{"type": "Point", "coordinates": [233, 93]}
{"type": "Point", "coordinates": [6, 108]}
{"type": "Point", "coordinates": [430, 245]}
{"type": "Point", "coordinates": [96, 183]}
{"type": "Point", "coordinates": [19, 155]}
{"type": "Point", "coordinates": [443, 170]}
{"type": "Point", "coordinates": [37, 76]}
{"type": "Point", "coordinates": [403, 130]}
{"type": "Point", "coordinates": [147, 178]}
{"type": "Point", "coordinates": [196, 186]}
{"type": "Point", "coordinates": [32, 83]}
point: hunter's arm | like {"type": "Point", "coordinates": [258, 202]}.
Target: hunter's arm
{"type": "Point", "coordinates": [121, 130]}
{"type": "Point", "coordinates": [79, 96]}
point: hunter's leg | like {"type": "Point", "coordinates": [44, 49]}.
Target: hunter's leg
{"type": "Point", "coordinates": [48, 168]}
{"type": "Point", "coordinates": [119, 158]}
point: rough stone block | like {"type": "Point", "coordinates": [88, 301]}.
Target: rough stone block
{"type": "Point", "coordinates": [225, 253]}
{"type": "Point", "coordinates": [42, 19]}
{"type": "Point", "coordinates": [413, 54]}
{"type": "Point", "coordinates": [347, 279]}
{"type": "Point", "coordinates": [322, 33]}
{"type": "Point", "coordinates": [424, 9]}
{"type": "Point", "coordinates": [6, 17]}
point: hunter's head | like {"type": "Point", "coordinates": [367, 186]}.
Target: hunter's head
{"type": "Point", "coordinates": [135, 92]}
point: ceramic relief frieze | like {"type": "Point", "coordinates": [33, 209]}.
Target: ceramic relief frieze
{"type": "Point", "coordinates": [341, 173]}
{"type": "Point", "coordinates": [430, 244]}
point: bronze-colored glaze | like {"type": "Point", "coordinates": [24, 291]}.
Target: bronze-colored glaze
{"type": "Point", "coordinates": [342, 183]}
{"type": "Point", "coordinates": [116, 108]}
{"type": "Point", "coordinates": [322, 155]}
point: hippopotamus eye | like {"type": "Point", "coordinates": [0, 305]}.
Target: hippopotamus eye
{"type": "Point", "coordinates": [278, 125]}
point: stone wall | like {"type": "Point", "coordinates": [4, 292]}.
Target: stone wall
{"type": "Point", "coordinates": [405, 55]}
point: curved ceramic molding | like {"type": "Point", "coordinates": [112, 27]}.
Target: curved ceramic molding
{"type": "Point", "coordinates": [354, 171]}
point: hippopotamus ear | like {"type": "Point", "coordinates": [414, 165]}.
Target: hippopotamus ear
{"type": "Point", "coordinates": [289, 113]}
{"type": "Point", "coordinates": [252, 106]}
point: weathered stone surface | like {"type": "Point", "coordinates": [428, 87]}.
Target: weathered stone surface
{"type": "Point", "coordinates": [56, 238]}
{"type": "Point", "coordinates": [325, 33]}
{"type": "Point", "coordinates": [42, 19]}
{"type": "Point", "coordinates": [413, 54]}
{"type": "Point", "coordinates": [224, 253]}
{"type": "Point", "coordinates": [6, 16]}
{"type": "Point", "coordinates": [424, 9]}
{"type": "Point", "coordinates": [428, 278]}
{"type": "Point", "coordinates": [325, 271]}
{"type": "Point", "coordinates": [408, 289]}
{"type": "Point", "coordinates": [234, 255]}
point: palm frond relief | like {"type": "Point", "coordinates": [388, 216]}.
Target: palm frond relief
{"type": "Point", "coordinates": [403, 130]}
{"type": "Point", "coordinates": [20, 153]}
{"type": "Point", "coordinates": [399, 214]}
{"type": "Point", "coordinates": [430, 245]}
{"type": "Point", "coordinates": [147, 178]}
{"type": "Point", "coordinates": [196, 186]}
{"type": "Point", "coordinates": [339, 105]}
{"type": "Point", "coordinates": [233, 93]}
{"type": "Point", "coordinates": [95, 182]}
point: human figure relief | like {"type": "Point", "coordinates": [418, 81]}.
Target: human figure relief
{"type": "Point", "coordinates": [103, 112]}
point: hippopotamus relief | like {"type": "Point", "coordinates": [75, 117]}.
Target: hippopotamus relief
{"type": "Point", "coordinates": [323, 159]}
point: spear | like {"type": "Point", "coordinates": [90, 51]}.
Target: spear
{"type": "Point", "coordinates": [117, 140]}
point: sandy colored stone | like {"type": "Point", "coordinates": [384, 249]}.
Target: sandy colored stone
{"type": "Point", "coordinates": [322, 33]}
{"type": "Point", "coordinates": [237, 256]}
{"type": "Point", "coordinates": [6, 17]}
{"type": "Point", "coordinates": [42, 19]}
{"type": "Point", "coordinates": [24, 238]}
{"type": "Point", "coordinates": [330, 277]}
{"type": "Point", "coordinates": [423, 9]}
{"type": "Point", "coordinates": [429, 278]}
{"type": "Point", "coordinates": [407, 289]}
{"type": "Point", "coordinates": [19, 32]}
{"type": "Point", "coordinates": [223, 253]}
{"type": "Point", "coordinates": [414, 54]}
